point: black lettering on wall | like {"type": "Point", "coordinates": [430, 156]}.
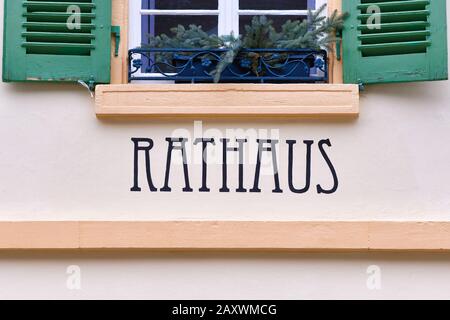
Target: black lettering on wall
{"type": "Point", "coordinates": [182, 148]}
{"type": "Point", "coordinates": [226, 149]}
{"type": "Point", "coordinates": [272, 149]}
{"type": "Point", "coordinates": [291, 144]}
{"type": "Point", "coordinates": [204, 142]}
{"type": "Point", "coordinates": [143, 147]}
{"type": "Point", "coordinates": [330, 165]}
{"type": "Point", "coordinates": [142, 144]}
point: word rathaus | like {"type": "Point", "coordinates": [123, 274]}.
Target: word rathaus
{"type": "Point", "coordinates": [177, 147]}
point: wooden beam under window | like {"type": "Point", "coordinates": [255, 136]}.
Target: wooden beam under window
{"type": "Point", "coordinates": [285, 100]}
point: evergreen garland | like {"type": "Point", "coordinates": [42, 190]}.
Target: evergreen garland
{"type": "Point", "coordinates": [260, 34]}
{"type": "Point", "coordinates": [186, 38]}
{"type": "Point", "coordinates": [192, 37]}
{"type": "Point", "coordinates": [315, 32]}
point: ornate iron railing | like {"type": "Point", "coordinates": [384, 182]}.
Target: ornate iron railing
{"type": "Point", "coordinates": [255, 65]}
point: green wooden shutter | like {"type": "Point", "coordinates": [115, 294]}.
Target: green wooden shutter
{"type": "Point", "coordinates": [410, 43]}
{"type": "Point", "coordinates": [39, 44]}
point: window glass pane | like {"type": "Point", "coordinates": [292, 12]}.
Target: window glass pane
{"type": "Point", "coordinates": [278, 21]}
{"type": "Point", "coordinates": [180, 4]}
{"type": "Point", "coordinates": [274, 4]}
{"type": "Point", "coordinates": [156, 25]}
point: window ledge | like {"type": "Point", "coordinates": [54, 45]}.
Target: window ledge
{"type": "Point", "coordinates": [227, 100]}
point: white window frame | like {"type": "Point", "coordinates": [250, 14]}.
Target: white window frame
{"type": "Point", "coordinates": [228, 13]}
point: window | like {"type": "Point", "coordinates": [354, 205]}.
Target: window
{"type": "Point", "coordinates": [220, 17]}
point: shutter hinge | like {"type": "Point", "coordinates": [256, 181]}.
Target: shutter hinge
{"type": "Point", "coordinates": [361, 85]}
{"type": "Point", "coordinates": [115, 30]}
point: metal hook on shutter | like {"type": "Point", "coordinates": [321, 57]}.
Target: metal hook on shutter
{"type": "Point", "coordinates": [338, 45]}
{"type": "Point", "coordinates": [115, 30]}
{"type": "Point", "coordinates": [89, 87]}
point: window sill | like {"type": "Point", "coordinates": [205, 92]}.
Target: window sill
{"type": "Point", "coordinates": [184, 100]}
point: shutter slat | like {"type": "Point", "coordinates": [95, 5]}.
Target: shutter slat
{"type": "Point", "coordinates": [49, 6]}
{"type": "Point", "coordinates": [419, 15]}
{"type": "Point", "coordinates": [56, 26]}
{"type": "Point", "coordinates": [58, 37]}
{"type": "Point", "coordinates": [395, 26]}
{"type": "Point", "coordinates": [395, 5]}
{"type": "Point", "coordinates": [60, 15]}
{"type": "Point", "coordinates": [58, 45]}
{"type": "Point", "coordinates": [378, 49]}
{"type": "Point", "coordinates": [392, 36]}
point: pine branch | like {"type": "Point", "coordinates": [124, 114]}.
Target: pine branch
{"type": "Point", "coordinates": [234, 46]}
{"type": "Point", "coordinates": [192, 37]}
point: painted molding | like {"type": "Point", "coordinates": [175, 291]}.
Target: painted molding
{"type": "Point", "coordinates": [226, 235]}
{"type": "Point", "coordinates": [119, 64]}
{"type": "Point", "coordinates": [316, 100]}
{"type": "Point", "coordinates": [336, 73]}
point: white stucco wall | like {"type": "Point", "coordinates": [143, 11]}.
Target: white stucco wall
{"type": "Point", "coordinates": [224, 276]}
{"type": "Point", "coordinates": [58, 162]}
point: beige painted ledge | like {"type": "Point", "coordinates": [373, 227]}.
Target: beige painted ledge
{"type": "Point", "coordinates": [227, 100]}
{"type": "Point", "coordinates": [226, 235]}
